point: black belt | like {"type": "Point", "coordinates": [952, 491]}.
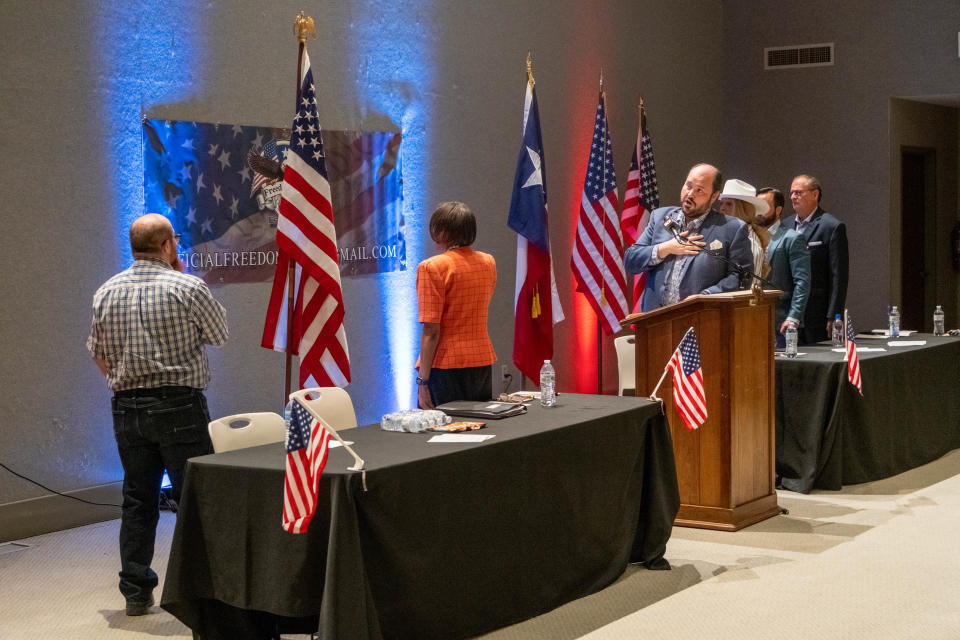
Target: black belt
{"type": "Point", "coordinates": [155, 392]}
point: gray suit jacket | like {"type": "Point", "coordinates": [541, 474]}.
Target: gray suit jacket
{"type": "Point", "coordinates": [789, 272]}
{"type": "Point", "coordinates": [724, 236]}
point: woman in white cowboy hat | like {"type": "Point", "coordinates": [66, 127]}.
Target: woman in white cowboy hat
{"type": "Point", "coordinates": [739, 199]}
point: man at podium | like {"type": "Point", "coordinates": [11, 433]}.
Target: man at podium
{"type": "Point", "coordinates": [691, 249]}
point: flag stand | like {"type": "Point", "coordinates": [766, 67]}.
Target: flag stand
{"type": "Point", "coordinates": [599, 358]}
{"type": "Point", "coordinates": [302, 28]}
{"type": "Point", "coordinates": [358, 465]}
{"type": "Point", "coordinates": [653, 394]}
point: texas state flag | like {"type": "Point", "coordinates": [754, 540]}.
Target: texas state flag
{"type": "Point", "coordinates": [536, 301]}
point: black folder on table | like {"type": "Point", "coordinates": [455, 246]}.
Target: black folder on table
{"type": "Point", "coordinates": [491, 409]}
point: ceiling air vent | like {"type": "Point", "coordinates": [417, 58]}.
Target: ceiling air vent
{"type": "Point", "coordinates": [806, 55]}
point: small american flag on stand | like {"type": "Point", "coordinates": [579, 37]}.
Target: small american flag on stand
{"type": "Point", "coordinates": [307, 447]}
{"type": "Point", "coordinates": [853, 362]}
{"type": "Point", "coordinates": [688, 395]}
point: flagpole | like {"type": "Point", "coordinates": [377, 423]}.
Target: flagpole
{"type": "Point", "coordinates": [531, 82]}
{"type": "Point", "coordinates": [844, 330]}
{"type": "Point", "coordinates": [302, 29]}
{"type": "Point", "coordinates": [653, 394]}
{"type": "Point", "coordinates": [603, 299]}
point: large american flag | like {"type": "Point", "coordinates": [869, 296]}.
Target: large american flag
{"type": "Point", "coordinates": [642, 197]}
{"type": "Point", "coordinates": [536, 300]}
{"type": "Point", "coordinates": [307, 447]}
{"type": "Point", "coordinates": [307, 237]}
{"type": "Point", "coordinates": [597, 260]}
{"type": "Point", "coordinates": [853, 362]}
{"type": "Point", "coordinates": [688, 395]}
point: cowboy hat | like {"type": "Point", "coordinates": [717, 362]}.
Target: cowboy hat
{"type": "Point", "coordinates": [740, 190]}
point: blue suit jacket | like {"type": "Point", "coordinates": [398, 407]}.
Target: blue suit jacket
{"type": "Point", "coordinates": [829, 268]}
{"type": "Point", "coordinates": [789, 272]}
{"type": "Point", "coordinates": [701, 273]}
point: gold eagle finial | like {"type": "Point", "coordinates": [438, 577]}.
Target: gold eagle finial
{"type": "Point", "coordinates": [303, 27]}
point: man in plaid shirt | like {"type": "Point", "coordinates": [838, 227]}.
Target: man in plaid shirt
{"type": "Point", "coordinates": [150, 325]}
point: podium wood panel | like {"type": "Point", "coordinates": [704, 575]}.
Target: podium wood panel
{"type": "Point", "coordinates": [725, 469]}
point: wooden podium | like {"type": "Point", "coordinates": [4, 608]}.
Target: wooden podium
{"type": "Point", "coordinates": [725, 469]}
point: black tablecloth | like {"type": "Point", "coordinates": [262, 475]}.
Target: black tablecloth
{"type": "Point", "coordinates": [829, 436]}
{"type": "Point", "coordinates": [450, 540]}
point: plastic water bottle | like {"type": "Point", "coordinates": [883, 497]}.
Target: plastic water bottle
{"type": "Point", "coordinates": [938, 321]}
{"type": "Point", "coordinates": [791, 340]}
{"type": "Point", "coordinates": [288, 413]}
{"type": "Point", "coordinates": [837, 331]}
{"type": "Point", "coordinates": [894, 319]}
{"type": "Point", "coordinates": [548, 385]}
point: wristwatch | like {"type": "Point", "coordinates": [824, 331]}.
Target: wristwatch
{"type": "Point", "coordinates": [421, 382]}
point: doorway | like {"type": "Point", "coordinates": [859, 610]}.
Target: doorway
{"type": "Point", "coordinates": [918, 207]}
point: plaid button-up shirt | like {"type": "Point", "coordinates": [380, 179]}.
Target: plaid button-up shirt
{"type": "Point", "coordinates": [671, 292]}
{"type": "Point", "coordinates": [150, 325]}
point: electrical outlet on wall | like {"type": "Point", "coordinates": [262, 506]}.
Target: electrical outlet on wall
{"type": "Point", "coordinates": [504, 372]}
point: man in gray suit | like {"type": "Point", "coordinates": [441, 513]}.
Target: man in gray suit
{"type": "Point", "coordinates": [789, 263]}
{"type": "Point", "coordinates": [709, 252]}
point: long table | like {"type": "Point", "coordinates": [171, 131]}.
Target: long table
{"type": "Point", "coordinates": [448, 540]}
{"type": "Point", "coordinates": [827, 435]}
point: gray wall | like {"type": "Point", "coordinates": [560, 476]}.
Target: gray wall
{"type": "Point", "coordinates": [930, 127]}
{"type": "Point", "coordinates": [833, 122]}
{"type": "Point", "coordinates": [78, 76]}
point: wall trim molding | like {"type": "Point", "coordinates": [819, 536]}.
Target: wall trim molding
{"type": "Point", "coordinates": [36, 516]}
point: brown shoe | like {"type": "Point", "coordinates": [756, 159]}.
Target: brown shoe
{"type": "Point", "coordinates": [139, 608]}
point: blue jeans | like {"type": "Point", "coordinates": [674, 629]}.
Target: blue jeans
{"type": "Point", "coordinates": [156, 429]}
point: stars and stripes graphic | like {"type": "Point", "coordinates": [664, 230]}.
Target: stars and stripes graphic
{"type": "Point", "coordinates": [306, 236]}
{"type": "Point", "coordinates": [641, 197]}
{"type": "Point", "coordinates": [195, 175]}
{"type": "Point", "coordinates": [220, 186]}
{"type": "Point", "coordinates": [853, 362]}
{"type": "Point", "coordinates": [307, 446]}
{"type": "Point", "coordinates": [536, 299]}
{"type": "Point", "coordinates": [366, 186]}
{"type": "Point", "coordinates": [688, 395]}
{"type": "Point", "coordinates": [597, 260]}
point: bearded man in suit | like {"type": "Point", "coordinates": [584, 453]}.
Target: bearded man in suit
{"type": "Point", "coordinates": [789, 264]}
{"type": "Point", "coordinates": [710, 254]}
{"type": "Point", "coordinates": [826, 239]}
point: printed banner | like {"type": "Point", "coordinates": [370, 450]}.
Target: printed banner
{"type": "Point", "coordinates": [220, 186]}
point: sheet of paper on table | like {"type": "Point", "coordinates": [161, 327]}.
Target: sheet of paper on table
{"type": "Point", "coordinates": [907, 343]}
{"type": "Point", "coordinates": [860, 349]}
{"type": "Point", "coordinates": [336, 443]}
{"type": "Point", "coordinates": [461, 437]}
{"type": "Point", "coordinates": [884, 333]}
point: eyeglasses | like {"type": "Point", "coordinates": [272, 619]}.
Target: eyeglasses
{"type": "Point", "coordinates": [176, 238]}
{"type": "Point", "coordinates": [799, 192]}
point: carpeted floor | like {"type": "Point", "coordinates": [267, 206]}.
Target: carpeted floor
{"type": "Point", "coordinates": [877, 561]}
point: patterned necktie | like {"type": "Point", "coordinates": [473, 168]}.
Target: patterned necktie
{"type": "Point", "coordinates": [671, 293]}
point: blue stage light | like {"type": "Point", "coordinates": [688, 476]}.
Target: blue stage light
{"type": "Point", "coordinates": [393, 84]}
{"type": "Point", "coordinates": [158, 66]}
